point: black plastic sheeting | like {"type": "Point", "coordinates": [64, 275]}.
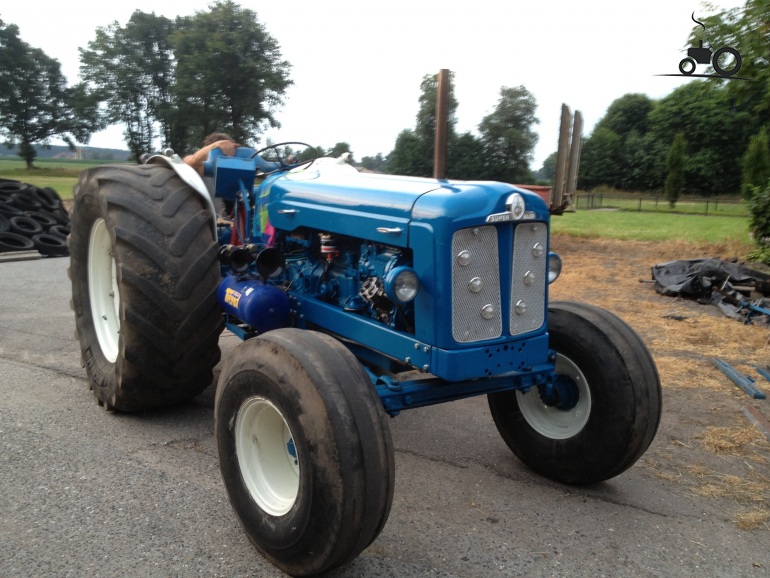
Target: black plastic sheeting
{"type": "Point", "coordinates": [727, 285]}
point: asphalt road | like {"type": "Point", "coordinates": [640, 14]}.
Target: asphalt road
{"type": "Point", "coordinates": [86, 492]}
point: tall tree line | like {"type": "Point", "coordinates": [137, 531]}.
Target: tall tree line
{"type": "Point", "coordinates": [629, 146]}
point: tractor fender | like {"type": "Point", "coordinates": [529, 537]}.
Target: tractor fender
{"type": "Point", "coordinates": [190, 176]}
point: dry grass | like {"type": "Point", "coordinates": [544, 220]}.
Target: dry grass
{"type": "Point", "coordinates": [736, 441]}
{"type": "Point", "coordinates": [741, 490]}
{"type": "Point", "coordinates": [684, 372]}
{"type": "Point", "coordinates": [753, 520]}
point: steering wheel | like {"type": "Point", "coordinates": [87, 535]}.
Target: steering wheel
{"type": "Point", "coordinates": [283, 164]}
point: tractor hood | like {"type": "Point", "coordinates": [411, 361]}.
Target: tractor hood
{"type": "Point", "coordinates": [382, 207]}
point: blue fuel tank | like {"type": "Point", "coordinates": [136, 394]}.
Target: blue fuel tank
{"type": "Point", "coordinates": [262, 307]}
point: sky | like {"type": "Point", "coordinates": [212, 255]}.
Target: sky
{"type": "Point", "coordinates": [357, 66]}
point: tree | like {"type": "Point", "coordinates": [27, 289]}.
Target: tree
{"type": "Point", "coordinates": [230, 74]}
{"type": "Point", "coordinates": [717, 133]}
{"type": "Point", "coordinates": [759, 225]}
{"type": "Point", "coordinates": [756, 164]}
{"type": "Point", "coordinates": [643, 162]}
{"type": "Point", "coordinates": [377, 163]}
{"type": "Point", "coordinates": [508, 137]}
{"type": "Point", "coordinates": [601, 159]}
{"type": "Point", "coordinates": [414, 149]}
{"type": "Point", "coordinates": [627, 114]}
{"type": "Point", "coordinates": [408, 155]}
{"type": "Point", "coordinates": [177, 81]}
{"type": "Point", "coordinates": [675, 164]}
{"type": "Point", "coordinates": [465, 158]}
{"type": "Point", "coordinates": [310, 153]}
{"type": "Point", "coordinates": [339, 149]}
{"type": "Point", "coordinates": [132, 69]}
{"type": "Point", "coordinates": [627, 117]}
{"type": "Point", "coordinates": [425, 128]}
{"type": "Point", "coordinates": [632, 161]}
{"type": "Point", "coordinates": [548, 170]}
{"type": "Point", "coordinates": [746, 30]}
{"type": "Point", "coordinates": [35, 102]}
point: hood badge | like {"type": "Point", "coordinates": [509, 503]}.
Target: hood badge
{"type": "Point", "coordinates": [514, 211]}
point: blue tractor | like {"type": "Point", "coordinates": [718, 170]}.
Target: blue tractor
{"type": "Point", "coordinates": [357, 296]}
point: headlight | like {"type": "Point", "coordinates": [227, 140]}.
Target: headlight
{"type": "Point", "coordinates": [554, 267]}
{"type": "Point", "coordinates": [402, 284]}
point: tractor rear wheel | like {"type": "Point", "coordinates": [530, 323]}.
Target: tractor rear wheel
{"type": "Point", "coordinates": [604, 409]}
{"type": "Point", "coordinates": [144, 278]}
{"type": "Point", "coordinates": [304, 448]}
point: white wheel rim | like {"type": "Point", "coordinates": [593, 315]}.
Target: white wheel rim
{"type": "Point", "coordinates": [103, 290]}
{"type": "Point", "coordinates": [553, 422]}
{"type": "Point", "coordinates": [267, 456]}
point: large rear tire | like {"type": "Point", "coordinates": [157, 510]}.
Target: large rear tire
{"type": "Point", "coordinates": [144, 278]}
{"type": "Point", "coordinates": [604, 410]}
{"type": "Point", "coordinates": [304, 448]}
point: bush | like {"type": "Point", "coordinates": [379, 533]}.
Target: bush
{"type": "Point", "coordinates": [756, 164]}
{"type": "Point", "coordinates": [759, 205]}
{"type": "Point", "coordinates": [675, 164]}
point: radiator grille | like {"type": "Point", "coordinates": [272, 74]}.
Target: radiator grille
{"type": "Point", "coordinates": [529, 277]}
{"type": "Point", "coordinates": [476, 314]}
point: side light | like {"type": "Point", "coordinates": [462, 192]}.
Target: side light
{"type": "Point", "coordinates": [554, 267]}
{"type": "Point", "coordinates": [402, 284]}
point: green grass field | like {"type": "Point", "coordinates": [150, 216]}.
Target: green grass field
{"type": "Point", "coordinates": [653, 226]}
{"type": "Point", "coordinates": [60, 175]}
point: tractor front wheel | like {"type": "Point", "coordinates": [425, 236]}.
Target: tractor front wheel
{"type": "Point", "coordinates": [687, 66]}
{"type": "Point", "coordinates": [603, 410]}
{"type": "Point", "coordinates": [144, 278]}
{"type": "Point", "coordinates": [304, 448]}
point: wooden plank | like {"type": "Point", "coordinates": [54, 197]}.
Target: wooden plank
{"type": "Point", "coordinates": [574, 157]}
{"type": "Point", "coordinates": [562, 158]}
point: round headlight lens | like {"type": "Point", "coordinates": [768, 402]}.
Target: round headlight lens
{"type": "Point", "coordinates": [402, 284]}
{"type": "Point", "coordinates": [554, 267]}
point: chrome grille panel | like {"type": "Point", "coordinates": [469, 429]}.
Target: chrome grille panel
{"type": "Point", "coordinates": [525, 259]}
{"type": "Point", "coordinates": [480, 250]}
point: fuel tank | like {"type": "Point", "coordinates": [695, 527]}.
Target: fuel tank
{"type": "Point", "coordinates": [263, 307]}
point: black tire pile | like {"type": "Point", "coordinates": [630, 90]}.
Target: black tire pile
{"type": "Point", "coordinates": [32, 218]}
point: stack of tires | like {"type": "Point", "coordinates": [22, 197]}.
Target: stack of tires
{"type": "Point", "coordinates": [32, 218]}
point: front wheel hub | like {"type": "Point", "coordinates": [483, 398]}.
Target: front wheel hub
{"type": "Point", "coordinates": [563, 394]}
{"type": "Point", "coordinates": [267, 456]}
{"type": "Point", "coordinates": [561, 410]}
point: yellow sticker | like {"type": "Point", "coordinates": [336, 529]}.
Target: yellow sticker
{"type": "Point", "coordinates": [232, 297]}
